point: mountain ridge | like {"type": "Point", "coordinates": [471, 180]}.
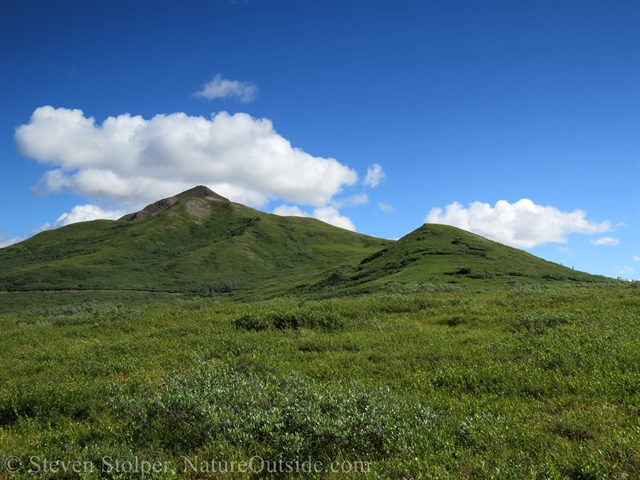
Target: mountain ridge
{"type": "Point", "coordinates": [201, 243]}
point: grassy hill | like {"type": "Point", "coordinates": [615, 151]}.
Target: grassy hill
{"type": "Point", "coordinates": [195, 244]}
{"type": "Point", "coordinates": [200, 243]}
{"type": "Point", "coordinates": [438, 254]}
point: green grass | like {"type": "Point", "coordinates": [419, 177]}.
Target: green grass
{"type": "Point", "coordinates": [421, 380]}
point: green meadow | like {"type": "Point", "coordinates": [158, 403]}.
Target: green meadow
{"type": "Point", "coordinates": [204, 339]}
{"type": "Point", "coordinates": [414, 381]}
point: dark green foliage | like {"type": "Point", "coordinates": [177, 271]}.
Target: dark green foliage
{"type": "Point", "coordinates": [455, 321]}
{"type": "Point", "coordinates": [291, 318]}
{"type": "Point", "coordinates": [211, 289]}
{"type": "Point", "coordinates": [483, 275]}
{"type": "Point", "coordinates": [459, 271]}
{"type": "Point", "coordinates": [374, 256]}
{"type": "Point", "coordinates": [44, 402]}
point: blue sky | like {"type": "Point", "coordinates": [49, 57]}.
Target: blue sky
{"type": "Point", "coordinates": [516, 120]}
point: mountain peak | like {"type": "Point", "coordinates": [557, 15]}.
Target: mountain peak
{"type": "Point", "coordinates": [196, 192]}
{"type": "Point", "coordinates": [201, 191]}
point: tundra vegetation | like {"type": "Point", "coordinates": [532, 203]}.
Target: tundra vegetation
{"type": "Point", "coordinates": [208, 331]}
{"type": "Point", "coordinates": [520, 381]}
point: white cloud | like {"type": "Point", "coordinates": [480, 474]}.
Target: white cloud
{"type": "Point", "coordinates": [522, 224]}
{"type": "Point", "coordinates": [352, 201]}
{"type": "Point", "coordinates": [624, 270]}
{"type": "Point", "coordinates": [636, 258]}
{"type": "Point", "coordinates": [79, 213]}
{"type": "Point", "coordinates": [326, 214]}
{"type": "Point", "coordinates": [85, 213]}
{"type": "Point", "coordinates": [6, 241]}
{"type": "Point", "coordinates": [563, 249]}
{"type": "Point", "coordinates": [222, 88]}
{"type": "Point", "coordinates": [138, 161]}
{"type": "Point", "coordinates": [290, 211]}
{"type": "Point", "coordinates": [374, 175]}
{"type": "Point", "coordinates": [385, 207]}
{"type": "Point", "coordinates": [611, 242]}
{"type": "Point", "coordinates": [332, 216]}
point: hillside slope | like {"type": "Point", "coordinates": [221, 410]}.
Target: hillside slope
{"type": "Point", "coordinates": [194, 242]}
{"type": "Point", "coordinates": [199, 242]}
{"type": "Point", "coordinates": [444, 254]}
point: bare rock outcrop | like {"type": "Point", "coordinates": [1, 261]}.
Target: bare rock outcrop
{"type": "Point", "coordinates": [196, 192]}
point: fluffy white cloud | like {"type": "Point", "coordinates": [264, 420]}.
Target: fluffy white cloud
{"type": "Point", "coordinates": [611, 242]}
{"type": "Point", "coordinates": [374, 175]}
{"type": "Point", "coordinates": [636, 258]}
{"type": "Point", "coordinates": [385, 207]}
{"type": "Point", "coordinates": [79, 213]}
{"type": "Point", "coordinates": [138, 161]}
{"type": "Point", "coordinates": [222, 88]}
{"type": "Point", "coordinates": [332, 216]}
{"type": "Point", "coordinates": [326, 214]}
{"type": "Point", "coordinates": [85, 213]}
{"type": "Point", "coordinates": [82, 213]}
{"type": "Point", "coordinates": [522, 224]}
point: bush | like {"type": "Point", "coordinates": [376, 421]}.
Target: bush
{"type": "Point", "coordinates": [553, 276]}
{"type": "Point", "coordinates": [540, 320]}
{"type": "Point", "coordinates": [291, 417]}
{"type": "Point", "coordinates": [482, 275]}
{"type": "Point", "coordinates": [411, 288]}
{"type": "Point", "coordinates": [460, 271]}
{"type": "Point", "coordinates": [43, 402]}
{"type": "Point", "coordinates": [282, 319]}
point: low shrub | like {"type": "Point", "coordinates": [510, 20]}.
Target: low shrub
{"type": "Point", "coordinates": [459, 271]}
{"type": "Point", "coordinates": [411, 288]}
{"type": "Point", "coordinates": [482, 275]}
{"type": "Point", "coordinates": [290, 417]}
{"type": "Point", "coordinates": [44, 402]}
{"type": "Point", "coordinates": [282, 319]}
{"type": "Point", "coordinates": [538, 321]}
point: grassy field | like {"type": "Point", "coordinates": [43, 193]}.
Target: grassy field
{"type": "Point", "coordinates": [416, 381]}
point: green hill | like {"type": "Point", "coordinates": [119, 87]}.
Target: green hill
{"type": "Point", "coordinates": [199, 242]}
{"type": "Point", "coordinates": [194, 242]}
{"type": "Point", "coordinates": [444, 254]}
